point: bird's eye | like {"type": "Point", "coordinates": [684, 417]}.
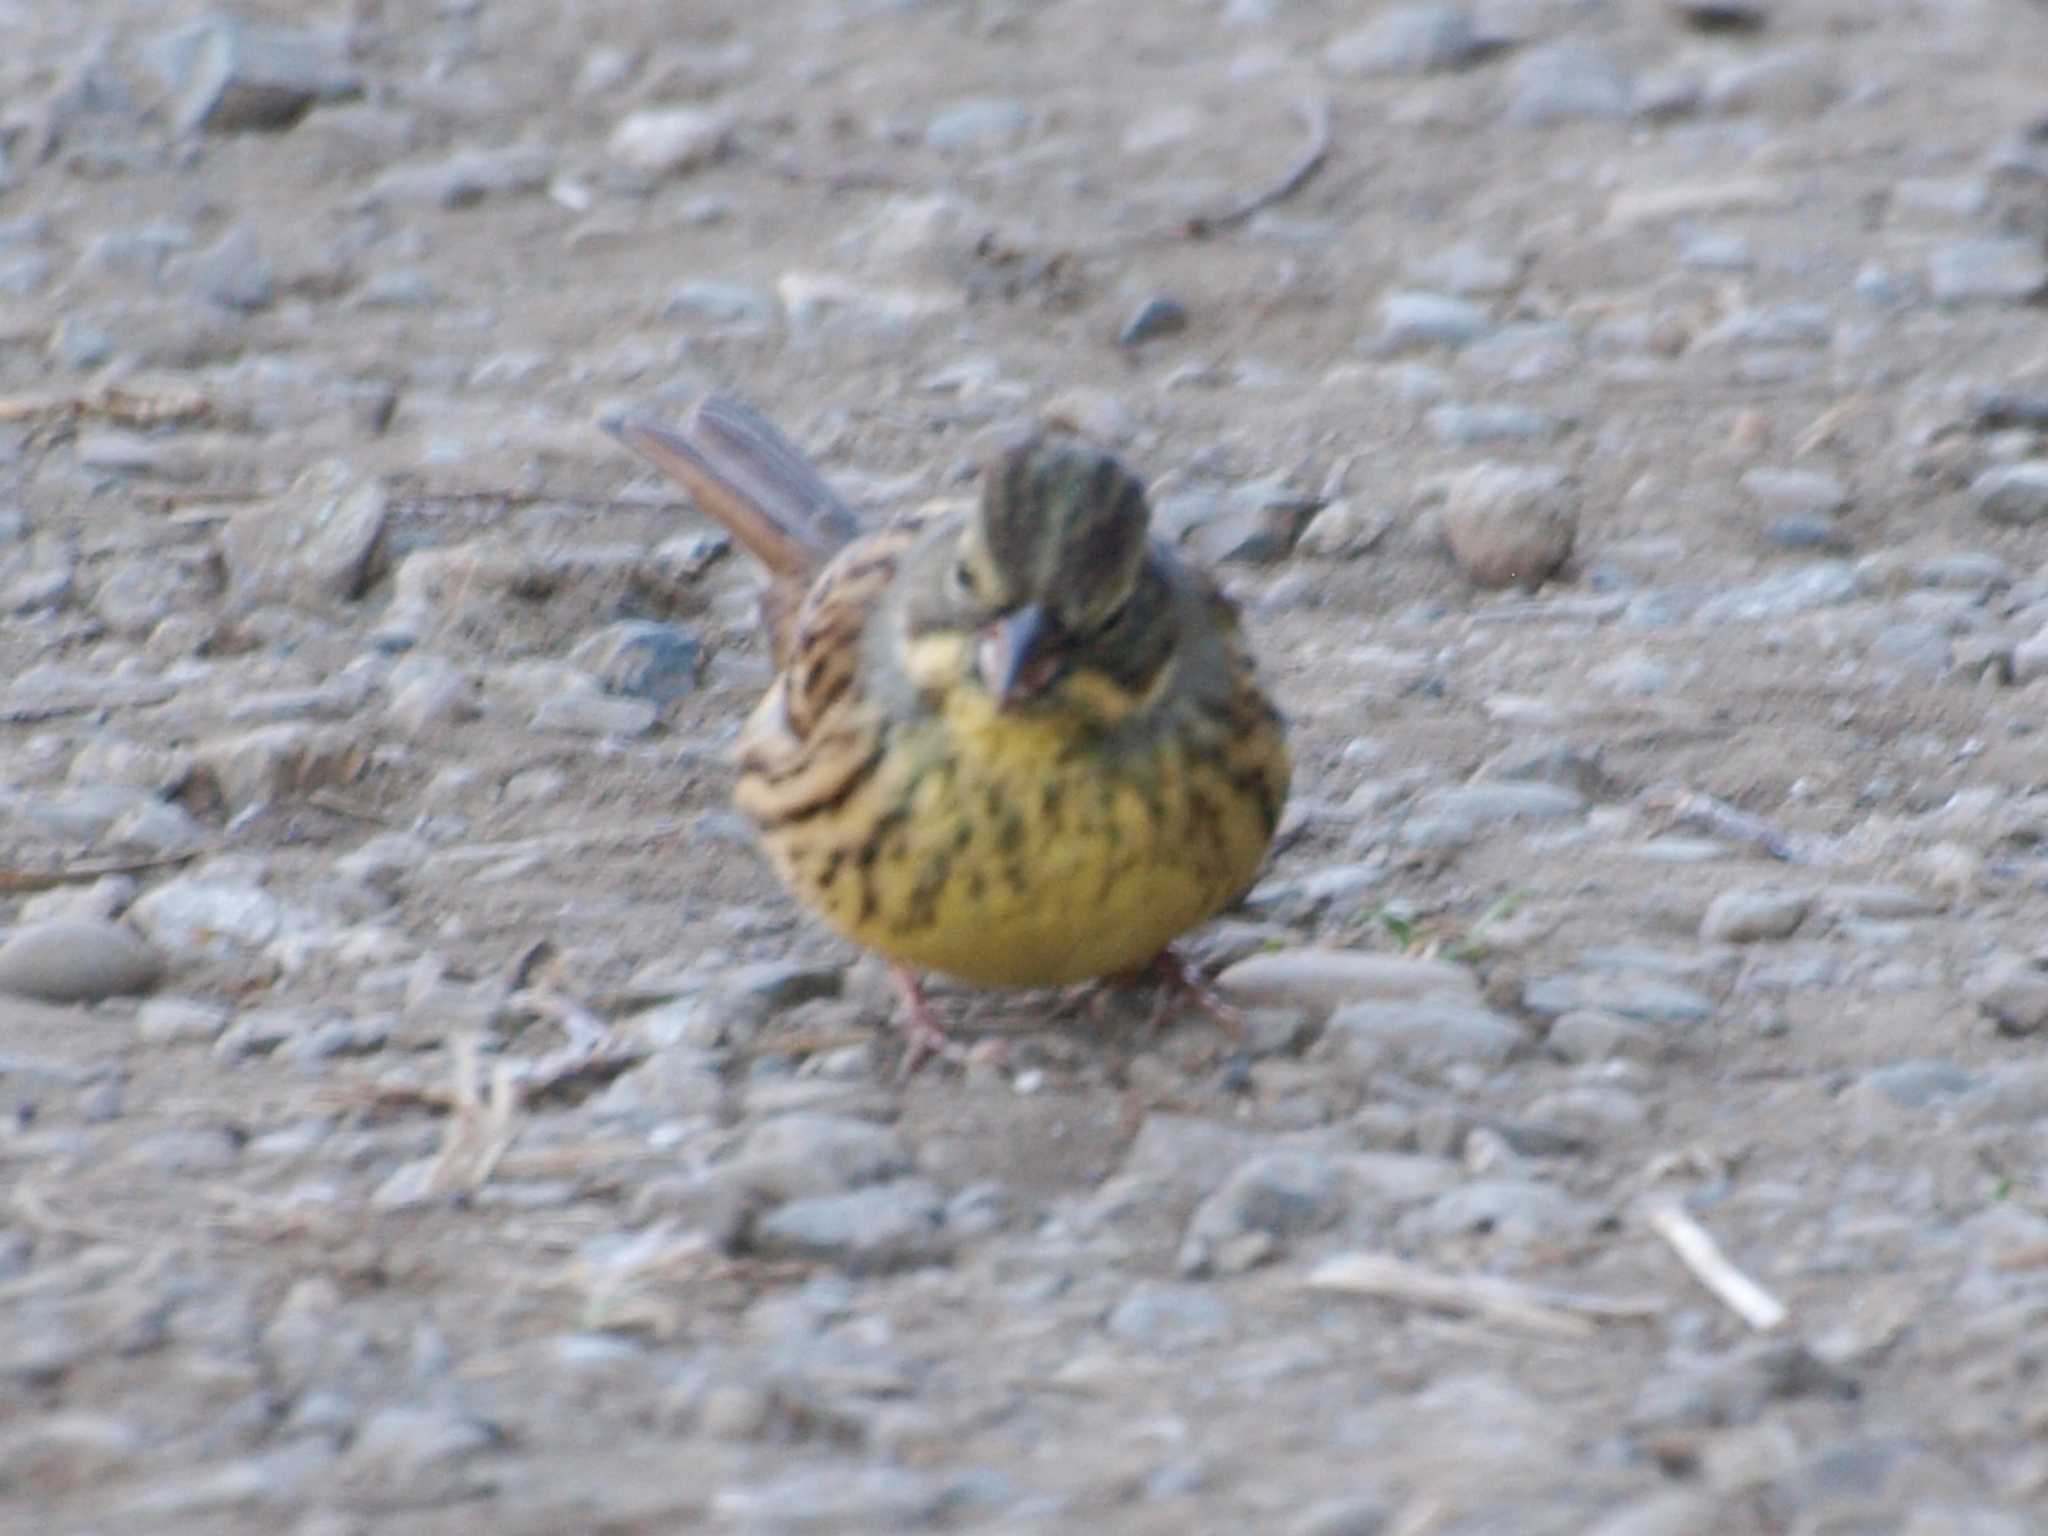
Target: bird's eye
{"type": "Point", "coordinates": [963, 578]}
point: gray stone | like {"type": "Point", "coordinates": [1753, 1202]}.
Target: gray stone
{"type": "Point", "coordinates": [66, 1451]}
{"type": "Point", "coordinates": [124, 453]}
{"type": "Point", "coordinates": [1255, 524]}
{"type": "Point", "coordinates": [1994, 269]}
{"type": "Point", "coordinates": [1772, 326]}
{"type": "Point", "coordinates": [2030, 659]}
{"type": "Point", "coordinates": [1277, 1195]}
{"type": "Point", "coordinates": [232, 273]}
{"type": "Point", "coordinates": [1879, 285]}
{"type": "Point", "coordinates": [236, 76]}
{"type": "Point", "coordinates": [1467, 270]}
{"type": "Point", "coordinates": [1796, 491]}
{"type": "Point", "coordinates": [1793, 82]}
{"type": "Point", "coordinates": [589, 713]}
{"type": "Point", "coordinates": [1516, 1210]}
{"type": "Point", "coordinates": [25, 275]}
{"type": "Point", "coordinates": [201, 917]}
{"type": "Point", "coordinates": [1588, 1035]}
{"type": "Point", "coordinates": [799, 1156]}
{"type": "Point", "coordinates": [1415, 319]}
{"type": "Point", "coordinates": [1916, 644]}
{"type": "Point", "coordinates": [776, 986]}
{"type": "Point", "coordinates": [1919, 1084]}
{"type": "Point", "coordinates": [670, 141]}
{"type": "Point", "coordinates": [816, 305]}
{"type": "Point", "coordinates": [1410, 40]}
{"type": "Point", "coordinates": [1475, 808]}
{"type": "Point", "coordinates": [398, 1444]}
{"type": "Point", "coordinates": [1826, 584]}
{"type": "Point", "coordinates": [1754, 913]}
{"type": "Point", "coordinates": [1568, 82]}
{"type": "Point", "coordinates": [178, 1020]}
{"type": "Point", "coordinates": [978, 125]}
{"type": "Point", "coordinates": [1093, 413]}
{"type": "Point", "coordinates": [1395, 1179]}
{"type": "Point", "coordinates": [1646, 999]}
{"type": "Point", "coordinates": [1320, 980]}
{"type": "Point", "coordinates": [723, 303]}
{"type": "Point", "coordinates": [2016, 1091]}
{"type": "Point", "coordinates": [1672, 1512]}
{"type": "Point", "coordinates": [272, 1482]}
{"type": "Point", "coordinates": [1575, 1118]}
{"type": "Point", "coordinates": [1510, 524]}
{"type": "Point", "coordinates": [2013, 991]}
{"type": "Point", "coordinates": [1344, 529]}
{"type": "Point", "coordinates": [1169, 1317]}
{"type": "Point", "coordinates": [642, 659]}
{"type": "Point", "coordinates": [37, 573]}
{"type": "Point", "coordinates": [1737, 1387]}
{"type": "Point", "coordinates": [320, 542]}
{"type": "Point", "coordinates": [1372, 1036]}
{"type": "Point", "coordinates": [823, 1500]}
{"type": "Point", "coordinates": [1473, 425]}
{"type": "Point", "coordinates": [1977, 571]}
{"type": "Point", "coordinates": [334, 1038]}
{"type": "Point", "coordinates": [880, 1228]}
{"type": "Point", "coordinates": [430, 697]}
{"type": "Point", "coordinates": [465, 178]}
{"type": "Point", "coordinates": [195, 1149]}
{"type": "Point", "coordinates": [1159, 315]}
{"type": "Point", "coordinates": [397, 288]}
{"type": "Point", "coordinates": [1940, 200]}
{"type": "Point", "coordinates": [140, 253]}
{"type": "Point", "coordinates": [274, 761]}
{"type": "Point", "coordinates": [1631, 675]}
{"type": "Point", "coordinates": [2013, 495]}
{"type": "Point", "coordinates": [1355, 1515]}
{"type": "Point", "coordinates": [673, 1081]}
{"type": "Point", "coordinates": [76, 962]}
{"type": "Point", "coordinates": [1804, 533]}
{"type": "Point", "coordinates": [1707, 250]}
{"type": "Point", "coordinates": [136, 596]}
{"type": "Point", "coordinates": [262, 1031]}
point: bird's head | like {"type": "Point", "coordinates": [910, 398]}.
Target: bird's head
{"type": "Point", "coordinates": [1041, 575]}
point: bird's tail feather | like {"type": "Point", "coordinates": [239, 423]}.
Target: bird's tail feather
{"type": "Point", "coordinates": [741, 470]}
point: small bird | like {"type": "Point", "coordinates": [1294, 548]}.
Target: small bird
{"type": "Point", "coordinates": [1020, 743]}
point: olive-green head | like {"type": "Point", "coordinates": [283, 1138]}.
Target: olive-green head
{"type": "Point", "coordinates": [1045, 562]}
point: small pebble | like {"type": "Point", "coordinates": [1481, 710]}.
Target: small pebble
{"type": "Point", "coordinates": [1510, 524]}
{"type": "Point", "coordinates": [74, 962]}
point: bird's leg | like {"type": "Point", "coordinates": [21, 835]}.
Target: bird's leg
{"type": "Point", "coordinates": [923, 1035]}
{"type": "Point", "coordinates": [1181, 984]}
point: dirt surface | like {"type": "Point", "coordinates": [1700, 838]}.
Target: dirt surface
{"type": "Point", "coordinates": [492, 1146]}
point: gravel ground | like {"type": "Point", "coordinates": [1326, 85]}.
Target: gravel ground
{"type": "Point", "coordinates": [1627, 428]}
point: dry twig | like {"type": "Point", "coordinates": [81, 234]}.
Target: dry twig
{"type": "Point", "coordinates": [1697, 1250]}
{"type": "Point", "coordinates": [29, 711]}
{"type": "Point", "coordinates": [1507, 1303]}
{"type": "Point", "coordinates": [18, 881]}
{"type": "Point", "coordinates": [481, 1130]}
{"type": "Point", "coordinates": [1703, 813]}
{"type": "Point", "coordinates": [1315, 116]}
{"type": "Point", "coordinates": [126, 407]}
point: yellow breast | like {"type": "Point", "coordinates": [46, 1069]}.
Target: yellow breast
{"type": "Point", "coordinates": [1007, 849]}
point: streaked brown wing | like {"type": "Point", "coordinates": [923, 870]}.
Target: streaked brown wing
{"type": "Point", "coordinates": [822, 673]}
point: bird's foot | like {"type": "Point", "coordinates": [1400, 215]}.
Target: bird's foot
{"type": "Point", "coordinates": [923, 1035]}
{"type": "Point", "coordinates": [1181, 985]}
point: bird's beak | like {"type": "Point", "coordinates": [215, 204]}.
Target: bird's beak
{"type": "Point", "coordinates": [1016, 656]}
